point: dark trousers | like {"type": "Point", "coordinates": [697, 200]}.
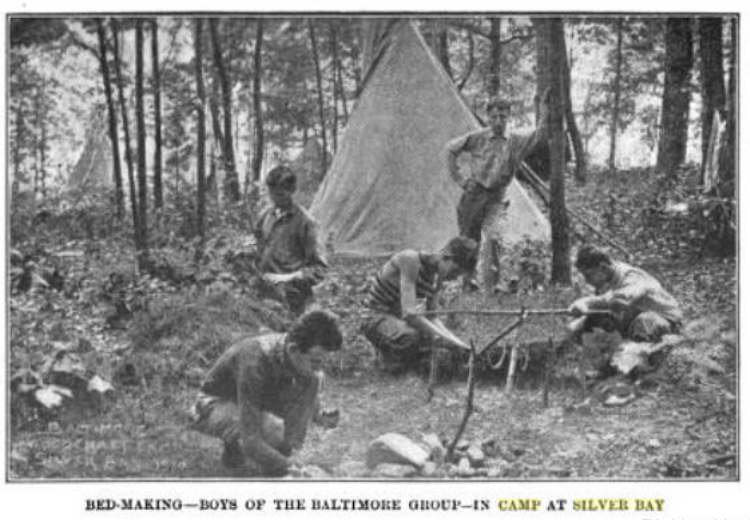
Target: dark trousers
{"type": "Point", "coordinates": [475, 203]}
{"type": "Point", "coordinates": [220, 418]}
{"type": "Point", "coordinates": [637, 326]}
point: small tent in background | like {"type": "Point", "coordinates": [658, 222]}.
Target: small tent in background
{"type": "Point", "coordinates": [94, 165]}
{"type": "Point", "coordinates": [388, 187]}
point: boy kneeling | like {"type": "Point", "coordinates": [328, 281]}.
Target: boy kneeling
{"type": "Point", "coordinates": [261, 394]}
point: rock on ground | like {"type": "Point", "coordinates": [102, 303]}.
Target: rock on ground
{"type": "Point", "coordinates": [398, 449]}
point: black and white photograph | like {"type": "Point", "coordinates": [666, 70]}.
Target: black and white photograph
{"type": "Point", "coordinates": [357, 247]}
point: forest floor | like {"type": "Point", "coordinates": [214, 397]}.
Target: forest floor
{"type": "Point", "coordinates": [683, 426]}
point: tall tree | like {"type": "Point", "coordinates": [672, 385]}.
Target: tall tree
{"type": "Point", "coordinates": [217, 130]}
{"type": "Point", "coordinates": [17, 153]}
{"type": "Point", "coordinates": [257, 104]}
{"type": "Point", "coordinates": [616, 91]}
{"type": "Point", "coordinates": [125, 128]}
{"type": "Point", "coordinates": [201, 138]}
{"type": "Point", "coordinates": [712, 76]}
{"type": "Point", "coordinates": [732, 104]}
{"type": "Point", "coordinates": [39, 124]}
{"type": "Point", "coordinates": [321, 102]}
{"type": "Point", "coordinates": [438, 36]}
{"type": "Point", "coordinates": [496, 50]}
{"type": "Point", "coordinates": [333, 41]}
{"type": "Point", "coordinates": [112, 119]}
{"type": "Point", "coordinates": [232, 181]}
{"type": "Point", "coordinates": [140, 116]}
{"type": "Point", "coordinates": [156, 76]}
{"type": "Point", "coordinates": [550, 41]}
{"type": "Point", "coordinates": [338, 67]}
{"type": "Point", "coordinates": [676, 96]}
{"type": "Point", "coordinates": [572, 126]}
{"type": "Point", "coordinates": [42, 144]}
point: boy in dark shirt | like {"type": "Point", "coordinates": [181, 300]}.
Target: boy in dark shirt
{"type": "Point", "coordinates": [261, 394]}
{"type": "Point", "coordinates": [290, 255]}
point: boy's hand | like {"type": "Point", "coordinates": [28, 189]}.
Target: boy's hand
{"type": "Point", "coordinates": [578, 308]}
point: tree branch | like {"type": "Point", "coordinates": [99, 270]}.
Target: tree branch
{"type": "Point", "coordinates": [521, 36]}
{"type": "Point", "coordinates": [473, 29]}
{"type": "Point", "coordinates": [76, 40]}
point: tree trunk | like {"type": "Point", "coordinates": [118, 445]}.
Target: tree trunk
{"type": "Point", "coordinates": [126, 129]}
{"type": "Point", "coordinates": [201, 138]}
{"type": "Point", "coordinates": [575, 135]}
{"type": "Point", "coordinates": [321, 102]}
{"type": "Point", "coordinates": [17, 157]}
{"type": "Point", "coordinates": [43, 142]}
{"type": "Point", "coordinates": [35, 148]}
{"type": "Point", "coordinates": [257, 106]}
{"type": "Point", "coordinates": [493, 85]}
{"type": "Point", "coordinates": [550, 40]}
{"type": "Point", "coordinates": [158, 191]}
{"type": "Point", "coordinates": [334, 107]}
{"type": "Point", "coordinates": [340, 85]}
{"type": "Point", "coordinates": [676, 97]}
{"type": "Point", "coordinates": [616, 89]}
{"type": "Point", "coordinates": [728, 167]}
{"type": "Point", "coordinates": [712, 77]}
{"type": "Point", "coordinates": [442, 47]}
{"type": "Point", "coordinates": [232, 188]}
{"type": "Point", "coordinates": [142, 247]}
{"type": "Point", "coordinates": [112, 120]}
{"type": "Point", "coordinates": [213, 104]}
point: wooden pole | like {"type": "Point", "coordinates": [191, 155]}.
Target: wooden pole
{"type": "Point", "coordinates": [549, 362]}
{"type": "Point", "coordinates": [505, 312]}
{"type": "Point", "coordinates": [469, 402]}
{"type": "Point", "coordinates": [511, 369]}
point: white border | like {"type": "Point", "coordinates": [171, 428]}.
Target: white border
{"type": "Point", "coordinates": [684, 500]}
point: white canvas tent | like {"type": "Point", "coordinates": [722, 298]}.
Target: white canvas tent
{"type": "Point", "coordinates": [388, 187]}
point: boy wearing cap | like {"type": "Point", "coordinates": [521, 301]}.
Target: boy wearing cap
{"type": "Point", "coordinates": [494, 159]}
{"type": "Point", "coordinates": [287, 240]}
{"type": "Point", "coordinates": [261, 394]}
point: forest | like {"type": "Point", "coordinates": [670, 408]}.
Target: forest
{"type": "Point", "coordinates": [138, 147]}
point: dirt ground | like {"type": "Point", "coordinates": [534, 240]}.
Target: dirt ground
{"type": "Point", "coordinates": [684, 426]}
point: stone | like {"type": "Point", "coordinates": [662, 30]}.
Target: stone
{"type": "Point", "coordinates": [481, 472]}
{"type": "Point", "coordinates": [475, 455]}
{"type": "Point", "coordinates": [353, 469]}
{"type": "Point", "coordinates": [464, 468]}
{"type": "Point", "coordinates": [316, 472]}
{"type": "Point", "coordinates": [396, 448]}
{"type": "Point", "coordinates": [495, 472]}
{"type": "Point", "coordinates": [435, 446]}
{"type": "Point", "coordinates": [429, 469]}
{"type": "Point", "coordinates": [559, 472]}
{"type": "Point", "coordinates": [391, 470]}
{"type": "Point", "coordinates": [490, 447]}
